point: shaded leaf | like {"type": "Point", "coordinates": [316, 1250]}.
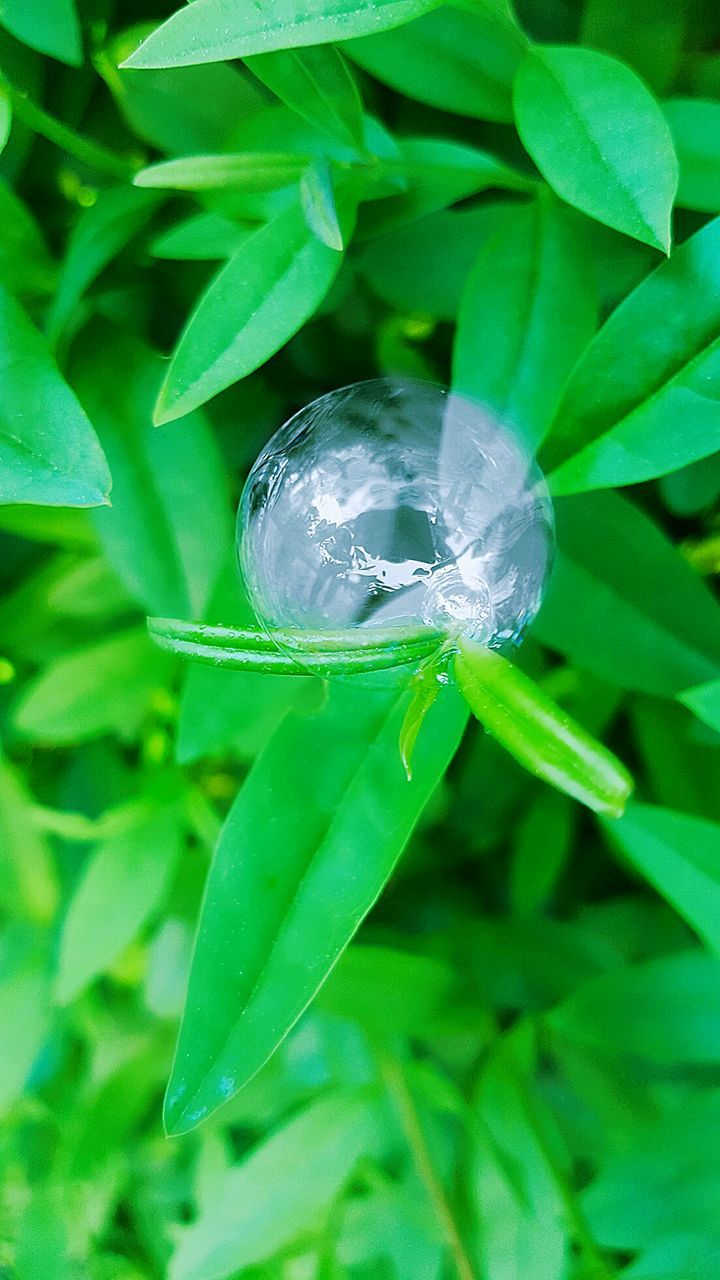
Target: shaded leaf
{"type": "Point", "coordinates": [695, 127]}
{"type": "Point", "coordinates": [50, 26]}
{"type": "Point", "coordinates": [318, 84]}
{"type": "Point", "coordinates": [704, 701]}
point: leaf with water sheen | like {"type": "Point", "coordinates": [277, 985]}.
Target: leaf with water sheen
{"type": "Point", "coordinates": [288, 887]}
{"type": "Point", "coordinates": [528, 311]}
{"type": "Point", "coordinates": [49, 453]}
{"type": "Point", "coordinates": [654, 364]}
{"type": "Point", "coordinates": [217, 30]}
{"type": "Point", "coordinates": [599, 138]}
{"type": "Point", "coordinates": [538, 733]}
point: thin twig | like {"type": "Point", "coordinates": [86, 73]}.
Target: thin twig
{"type": "Point", "coordinates": [83, 149]}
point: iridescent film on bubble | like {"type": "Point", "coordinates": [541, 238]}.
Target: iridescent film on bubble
{"type": "Point", "coordinates": [395, 502]}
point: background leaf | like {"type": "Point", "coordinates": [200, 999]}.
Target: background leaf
{"type": "Point", "coordinates": [50, 26]}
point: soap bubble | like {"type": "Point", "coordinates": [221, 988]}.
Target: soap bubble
{"type": "Point", "coordinates": [396, 503]}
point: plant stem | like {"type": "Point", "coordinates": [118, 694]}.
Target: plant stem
{"type": "Point", "coordinates": [397, 1086]}
{"type": "Point", "coordinates": [83, 149]}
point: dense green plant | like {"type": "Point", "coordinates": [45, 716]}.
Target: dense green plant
{"type": "Point", "coordinates": [512, 1072]}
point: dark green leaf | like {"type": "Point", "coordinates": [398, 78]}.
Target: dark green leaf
{"type": "Point", "coordinates": [318, 84]}
{"type": "Point", "coordinates": [695, 127]}
{"type": "Point", "coordinates": [527, 313]}
{"type": "Point", "coordinates": [49, 453]}
{"type": "Point", "coordinates": [538, 733]}
{"type": "Point", "coordinates": [461, 60]}
{"type": "Point", "coordinates": [649, 37]}
{"type": "Point", "coordinates": [216, 30]}
{"type": "Point", "coordinates": [704, 701]}
{"type": "Point", "coordinates": [599, 138]}
{"type": "Point", "coordinates": [333, 838]}
{"type": "Point", "coordinates": [656, 362]}
{"type": "Point", "coordinates": [267, 290]}
{"type": "Point", "coordinates": [619, 592]}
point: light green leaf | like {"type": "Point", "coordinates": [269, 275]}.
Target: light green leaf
{"type": "Point", "coordinates": [169, 528]}
{"type": "Point", "coordinates": [122, 885]}
{"type": "Point", "coordinates": [621, 591]}
{"type": "Point", "coordinates": [281, 1190]}
{"type": "Point", "coordinates": [50, 26]}
{"type": "Point", "coordinates": [528, 311]}
{"type": "Point", "coordinates": [318, 84]}
{"type": "Point", "coordinates": [654, 364]}
{"type": "Point", "coordinates": [599, 138]}
{"type": "Point", "coordinates": [538, 733]}
{"type": "Point", "coordinates": [253, 171]}
{"type": "Point", "coordinates": [49, 453]}
{"type": "Point", "coordinates": [202, 237]}
{"type": "Point", "coordinates": [216, 30]}
{"type": "Point", "coordinates": [24, 1020]}
{"type": "Point", "coordinates": [461, 60]}
{"type": "Point", "coordinates": [265, 948]}
{"type": "Point", "coordinates": [99, 235]}
{"type": "Point", "coordinates": [695, 127]}
{"type": "Point", "coordinates": [317, 197]}
{"type": "Point", "coordinates": [680, 855]}
{"type": "Point", "coordinates": [104, 687]}
{"type": "Point", "coordinates": [5, 119]}
{"type": "Point", "coordinates": [28, 883]}
{"type": "Point", "coordinates": [264, 294]}
{"type": "Point", "coordinates": [704, 701]}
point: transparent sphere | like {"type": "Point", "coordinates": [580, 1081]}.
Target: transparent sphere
{"type": "Point", "coordinates": [396, 503]}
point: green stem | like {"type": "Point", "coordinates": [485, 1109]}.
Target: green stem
{"type": "Point", "coordinates": [83, 149]}
{"type": "Point", "coordinates": [399, 1090]}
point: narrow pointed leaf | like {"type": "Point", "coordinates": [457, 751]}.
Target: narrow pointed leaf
{"type": "Point", "coordinates": [318, 201]}
{"type": "Point", "coordinates": [704, 701]}
{"type": "Point", "coordinates": [217, 30]}
{"type": "Point", "coordinates": [288, 888]}
{"type": "Point", "coordinates": [655, 364]}
{"type": "Point", "coordinates": [599, 138]}
{"type": "Point", "coordinates": [250, 171]}
{"type": "Point", "coordinates": [318, 84]}
{"type": "Point", "coordinates": [538, 733]}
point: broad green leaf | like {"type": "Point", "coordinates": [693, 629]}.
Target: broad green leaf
{"type": "Point", "coordinates": [620, 592]}
{"type": "Point", "coordinates": [538, 733]}
{"type": "Point", "coordinates": [254, 171]}
{"type": "Point", "coordinates": [50, 26]}
{"type": "Point", "coordinates": [318, 84]}
{"type": "Point", "coordinates": [347, 813]}
{"type": "Point", "coordinates": [25, 264]}
{"type": "Point", "coordinates": [104, 687]}
{"type": "Point", "coordinates": [168, 530]}
{"type": "Point", "coordinates": [283, 1187]}
{"type": "Point", "coordinates": [204, 236]}
{"type": "Point", "coordinates": [650, 37]}
{"type": "Point", "coordinates": [680, 856]}
{"type": "Point", "coordinates": [528, 311]}
{"type": "Point", "coordinates": [99, 235]}
{"type": "Point", "coordinates": [258, 300]}
{"type": "Point", "coordinates": [123, 883]}
{"type": "Point", "coordinates": [405, 269]}
{"type": "Point", "coordinates": [217, 30]}
{"type": "Point", "coordinates": [461, 60]}
{"type": "Point", "coordinates": [695, 127]}
{"type": "Point", "coordinates": [183, 110]}
{"type": "Point", "coordinates": [704, 701]}
{"type": "Point", "coordinates": [49, 453]}
{"type": "Point", "coordinates": [654, 364]}
{"type": "Point", "coordinates": [599, 138]}
{"type": "Point", "coordinates": [666, 1011]}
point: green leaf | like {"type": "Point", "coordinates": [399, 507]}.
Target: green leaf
{"type": "Point", "coordinates": [599, 138]}
{"type": "Point", "coordinates": [704, 701]}
{"type": "Point", "coordinates": [280, 1189]}
{"type": "Point", "coordinates": [5, 120]}
{"type": "Point", "coordinates": [50, 26]}
{"type": "Point", "coordinates": [671, 1005]}
{"type": "Point", "coordinates": [202, 237]}
{"type": "Point", "coordinates": [49, 453]}
{"type": "Point", "coordinates": [538, 733]}
{"type": "Point", "coordinates": [619, 592]}
{"type": "Point", "coordinates": [104, 687]}
{"type": "Point", "coordinates": [695, 127]}
{"type": "Point", "coordinates": [461, 60]}
{"type": "Point", "coordinates": [325, 653]}
{"type": "Point", "coordinates": [528, 311]}
{"type": "Point", "coordinates": [318, 84]}
{"type": "Point", "coordinates": [24, 1020]}
{"type": "Point", "coordinates": [425, 688]}
{"type": "Point", "coordinates": [216, 30]}
{"type": "Point", "coordinates": [332, 841]}
{"type": "Point", "coordinates": [169, 527]}
{"type": "Point", "coordinates": [25, 264]}
{"type": "Point", "coordinates": [265, 293]}
{"type": "Point", "coordinates": [99, 235]}
{"type": "Point", "coordinates": [648, 37]}
{"type": "Point", "coordinates": [254, 171]}
{"type": "Point", "coordinates": [317, 196]}
{"type": "Point", "coordinates": [680, 856]}
{"type": "Point", "coordinates": [28, 883]}
{"type": "Point", "coordinates": [655, 363]}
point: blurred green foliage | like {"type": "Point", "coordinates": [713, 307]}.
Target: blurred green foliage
{"type": "Point", "coordinates": [513, 1072]}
